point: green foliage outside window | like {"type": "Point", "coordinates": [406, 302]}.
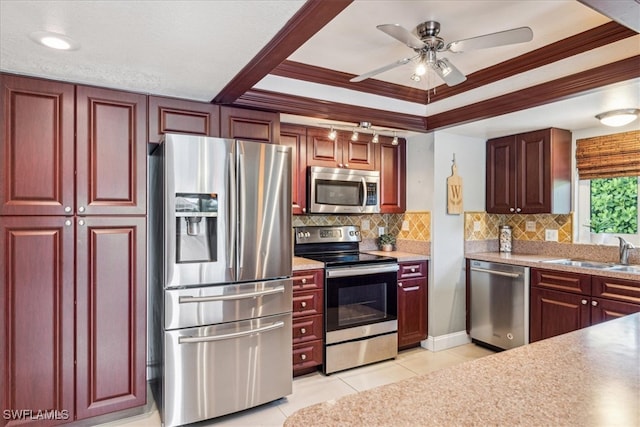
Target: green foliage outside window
{"type": "Point", "coordinates": [614, 205]}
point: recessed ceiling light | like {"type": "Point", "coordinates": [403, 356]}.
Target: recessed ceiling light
{"type": "Point", "coordinates": [54, 40]}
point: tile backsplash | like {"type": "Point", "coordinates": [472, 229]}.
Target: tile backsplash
{"type": "Point", "coordinates": [489, 224]}
{"type": "Point", "coordinates": [419, 224]}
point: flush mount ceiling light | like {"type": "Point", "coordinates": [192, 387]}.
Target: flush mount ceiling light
{"type": "Point", "coordinates": [54, 40]}
{"type": "Point", "coordinates": [618, 117]}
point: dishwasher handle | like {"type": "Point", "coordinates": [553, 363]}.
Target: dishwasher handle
{"type": "Point", "coordinates": [496, 272]}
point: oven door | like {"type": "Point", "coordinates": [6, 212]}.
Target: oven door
{"type": "Point", "coordinates": [335, 190]}
{"type": "Point", "coordinates": [360, 301]}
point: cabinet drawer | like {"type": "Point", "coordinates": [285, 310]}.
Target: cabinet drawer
{"type": "Point", "coordinates": [561, 281]}
{"type": "Point", "coordinates": [307, 328]}
{"type": "Point", "coordinates": [412, 269]}
{"type": "Point", "coordinates": [304, 280]}
{"type": "Point", "coordinates": [616, 289]}
{"type": "Point", "coordinates": [307, 355]}
{"type": "Point", "coordinates": [307, 303]}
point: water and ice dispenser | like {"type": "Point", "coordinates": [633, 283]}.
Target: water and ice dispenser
{"type": "Point", "coordinates": [196, 227]}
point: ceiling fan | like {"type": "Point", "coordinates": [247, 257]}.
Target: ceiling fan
{"type": "Point", "coordinates": [429, 44]}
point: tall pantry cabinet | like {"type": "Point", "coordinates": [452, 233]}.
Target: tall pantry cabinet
{"type": "Point", "coordinates": [72, 242]}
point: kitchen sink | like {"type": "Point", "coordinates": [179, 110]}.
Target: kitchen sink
{"type": "Point", "coordinates": [626, 268]}
{"type": "Point", "coordinates": [595, 264]}
{"type": "Point", "coordinates": [581, 263]}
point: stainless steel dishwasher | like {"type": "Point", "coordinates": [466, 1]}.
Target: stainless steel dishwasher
{"type": "Point", "coordinates": [499, 304]}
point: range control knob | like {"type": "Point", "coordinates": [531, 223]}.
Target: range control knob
{"type": "Point", "coordinates": [307, 234]}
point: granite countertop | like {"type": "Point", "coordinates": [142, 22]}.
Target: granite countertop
{"type": "Point", "coordinates": [537, 261]}
{"type": "Point", "coordinates": [589, 377]}
{"type": "Point", "coordinates": [300, 263]}
{"type": "Point", "coordinates": [401, 256]}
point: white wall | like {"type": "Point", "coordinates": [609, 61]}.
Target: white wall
{"type": "Point", "coordinates": [446, 274]}
{"type": "Point", "coordinates": [420, 172]}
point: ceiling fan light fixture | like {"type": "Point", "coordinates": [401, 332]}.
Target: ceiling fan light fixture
{"type": "Point", "coordinates": [421, 69]}
{"type": "Point", "coordinates": [617, 118]}
{"type": "Point", "coordinates": [444, 68]}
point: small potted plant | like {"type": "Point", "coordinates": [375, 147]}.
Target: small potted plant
{"type": "Point", "coordinates": [600, 230]}
{"type": "Point", "coordinates": [386, 242]}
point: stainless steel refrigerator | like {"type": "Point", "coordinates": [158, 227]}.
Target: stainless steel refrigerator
{"type": "Point", "coordinates": [220, 276]}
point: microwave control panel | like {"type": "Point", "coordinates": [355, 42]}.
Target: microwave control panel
{"type": "Point", "coordinates": [372, 194]}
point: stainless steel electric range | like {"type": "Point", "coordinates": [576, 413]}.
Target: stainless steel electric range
{"type": "Point", "coordinates": [360, 300]}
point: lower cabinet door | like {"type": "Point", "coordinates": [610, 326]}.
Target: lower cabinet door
{"type": "Point", "coordinates": [604, 309]}
{"type": "Point", "coordinates": [111, 314]}
{"type": "Point", "coordinates": [412, 311]}
{"type": "Point", "coordinates": [36, 317]}
{"type": "Point", "coordinates": [554, 313]}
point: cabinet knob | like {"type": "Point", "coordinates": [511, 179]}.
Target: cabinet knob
{"type": "Point", "coordinates": [67, 222]}
{"type": "Point", "coordinates": [303, 304]}
{"type": "Point", "coordinates": [67, 209]}
{"type": "Point", "coordinates": [303, 331]}
{"type": "Point", "coordinates": [518, 209]}
{"type": "Point", "coordinates": [512, 210]}
{"type": "Point", "coordinates": [304, 280]}
{"type": "Point", "coordinates": [584, 302]}
{"type": "Point", "coordinates": [304, 210]}
{"type": "Point", "coordinates": [413, 270]}
{"type": "Point", "coordinates": [594, 303]}
{"type": "Point", "coordinates": [340, 165]}
{"type": "Point", "coordinates": [346, 165]}
{"type": "Point", "coordinates": [400, 284]}
{"type": "Point", "coordinates": [303, 356]}
{"type": "Point", "coordinates": [81, 222]}
{"type": "Point", "coordinates": [81, 209]}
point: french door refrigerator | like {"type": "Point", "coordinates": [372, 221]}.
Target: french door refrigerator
{"type": "Point", "coordinates": [220, 276]}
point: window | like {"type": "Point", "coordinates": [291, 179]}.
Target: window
{"type": "Point", "coordinates": [609, 205]}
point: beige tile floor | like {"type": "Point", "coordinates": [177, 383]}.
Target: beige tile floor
{"type": "Point", "coordinates": [315, 388]}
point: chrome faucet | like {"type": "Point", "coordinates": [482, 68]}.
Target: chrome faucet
{"type": "Point", "coordinates": [624, 251]}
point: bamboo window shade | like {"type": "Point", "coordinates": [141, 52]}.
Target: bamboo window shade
{"type": "Point", "coordinates": [609, 156]}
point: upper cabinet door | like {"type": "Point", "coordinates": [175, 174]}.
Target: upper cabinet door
{"type": "Point", "coordinates": [294, 136]}
{"type": "Point", "coordinates": [391, 161]}
{"type": "Point", "coordinates": [322, 151]}
{"type": "Point", "coordinates": [111, 153]}
{"type": "Point", "coordinates": [501, 175]}
{"type": "Point", "coordinates": [36, 147]}
{"type": "Point", "coordinates": [249, 125]}
{"type": "Point", "coordinates": [170, 115]}
{"type": "Point", "coordinates": [358, 154]}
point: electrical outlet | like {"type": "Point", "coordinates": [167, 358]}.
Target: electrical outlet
{"type": "Point", "coordinates": [380, 231]}
{"type": "Point", "coordinates": [405, 225]}
{"type": "Point", "coordinates": [477, 225]}
{"type": "Point", "coordinates": [530, 226]}
{"type": "Point", "coordinates": [365, 224]}
{"type": "Point", "coordinates": [551, 235]}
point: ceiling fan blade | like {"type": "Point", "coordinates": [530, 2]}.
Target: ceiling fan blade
{"type": "Point", "coordinates": [448, 72]}
{"type": "Point", "coordinates": [501, 38]}
{"type": "Point", "coordinates": [372, 73]}
{"type": "Point", "coordinates": [401, 34]}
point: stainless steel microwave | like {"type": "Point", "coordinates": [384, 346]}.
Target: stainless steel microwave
{"type": "Point", "coordinates": [343, 191]}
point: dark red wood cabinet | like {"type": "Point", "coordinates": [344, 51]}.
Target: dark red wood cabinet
{"type": "Point", "coordinates": [529, 173]}
{"type": "Point", "coordinates": [412, 303]}
{"type": "Point", "coordinates": [392, 163]}
{"type": "Point", "coordinates": [171, 115]}
{"type": "Point", "coordinates": [249, 125]}
{"type": "Point", "coordinates": [295, 137]}
{"type": "Point", "coordinates": [340, 152]}
{"type": "Point", "coordinates": [308, 326]}
{"type": "Point", "coordinates": [562, 301]}
{"type": "Point", "coordinates": [73, 246]}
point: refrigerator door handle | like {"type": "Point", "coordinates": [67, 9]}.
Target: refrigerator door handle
{"type": "Point", "coordinates": [231, 226]}
{"type": "Point", "coordinates": [243, 211]}
{"type": "Point", "coordinates": [188, 298]}
{"type": "Point", "coordinates": [191, 340]}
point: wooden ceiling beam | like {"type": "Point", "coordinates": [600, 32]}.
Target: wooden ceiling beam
{"type": "Point", "coordinates": [311, 17]}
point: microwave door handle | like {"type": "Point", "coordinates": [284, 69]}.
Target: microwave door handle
{"type": "Point", "coordinates": [364, 194]}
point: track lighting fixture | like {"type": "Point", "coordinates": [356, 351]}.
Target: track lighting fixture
{"type": "Point", "coordinates": [361, 128]}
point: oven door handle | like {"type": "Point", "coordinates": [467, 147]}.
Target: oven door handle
{"type": "Point", "coordinates": [361, 271]}
{"type": "Point", "coordinates": [188, 298]}
{"type": "Point", "coordinates": [192, 340]}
